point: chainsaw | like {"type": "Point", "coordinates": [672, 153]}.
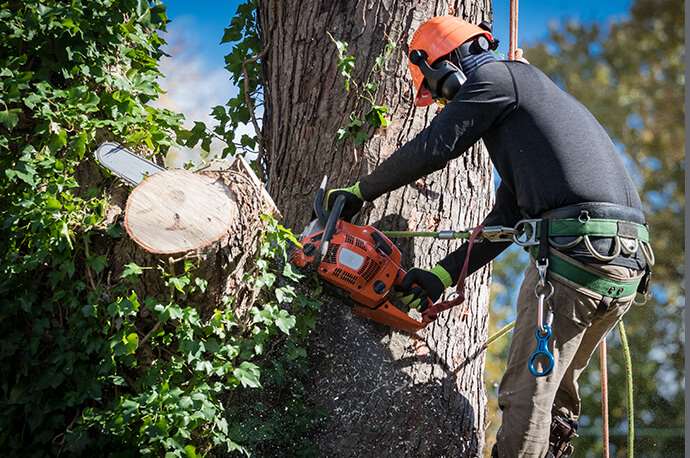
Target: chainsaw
{"type": "Point", "coordinates": [360, 263]}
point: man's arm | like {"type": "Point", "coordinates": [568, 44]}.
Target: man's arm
{"type": "Point", "coordinates": [483, 100]}
{"type": "Point", "coordinates": [504, 213]}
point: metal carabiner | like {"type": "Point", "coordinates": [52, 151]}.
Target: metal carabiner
{"type": "Point", "coordinates": [542, 351]}
{"type": "Point", "coordinates": [526, 232]}
{"type": "Point", "coordinates": [498, 233]}
{"type": "Point", "coordinates": [542, 297]}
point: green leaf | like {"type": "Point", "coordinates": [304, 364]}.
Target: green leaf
{"type": "Point", "coordinates": [131, 343]}
{"type": "Point", "coordinates": [10, 118]}
{"type": "Point", "coordinates": [248, 374]}
{"type": "Point", "coordinates": [190, 450]}
{"type": "Point", "coordinates": [285, 294]}
{"type": "Point", "coordinates": [52, 203]}
{"type": "Point", "coordinates": [179, 283]}
{"type": "Point", "coordinates": [285, 321]}
{"type": "Point", "coordinates": [201, 284]}
{"type": "Point", "coordinates": [97, 263]}
{"type": "Point", "coordinates": [131, 269]}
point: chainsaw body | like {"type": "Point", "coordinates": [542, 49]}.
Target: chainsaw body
{"type": "Point", "coordinates": [361, 262]}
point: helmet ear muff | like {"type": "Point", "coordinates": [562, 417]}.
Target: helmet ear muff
{"type": "Point", "coordinates": [444, 79]}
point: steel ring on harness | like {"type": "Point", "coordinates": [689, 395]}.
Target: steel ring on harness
{"type": "Point", "coordinates": [526, 232]}
{"type": "Point", "coordinates": [584, 217]}
{"type": "Point", "coordinates": [542, 351]}
{"type": "Point", "coordinates": [539, 290]}
{"type": "Point", "coordinates": [601, 257]}
{"type": "Point", "coordinates": [648, 253]}
{"type": "Point", "coordinates": [565, 246]}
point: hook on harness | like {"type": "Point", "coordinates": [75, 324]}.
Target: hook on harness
{"type": "Point", "coordinates": [543, 291]}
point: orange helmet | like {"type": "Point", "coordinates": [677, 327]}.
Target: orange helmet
{"type": "Point", "coordinates": [437, 37]}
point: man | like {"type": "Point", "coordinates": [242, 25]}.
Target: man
{"type": "Point", "coordinates": [557, 165]}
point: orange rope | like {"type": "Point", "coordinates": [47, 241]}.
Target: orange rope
{"type": "Point", "coordinates": [513, 29]}
{"type": "Point", "coordinates": [604, 397]}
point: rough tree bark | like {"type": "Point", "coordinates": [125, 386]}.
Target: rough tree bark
{"type": "Point", "coordinates": [385, 393]}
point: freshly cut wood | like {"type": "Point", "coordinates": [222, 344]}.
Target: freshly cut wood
{"type": "Point", "coordinates": [178, 211]}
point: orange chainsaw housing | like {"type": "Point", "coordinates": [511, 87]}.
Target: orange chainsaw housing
{"type": "Point", "coordinates": [365, 265]}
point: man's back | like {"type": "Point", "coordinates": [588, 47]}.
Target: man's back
{"type": "Point", "coordinates": [548, 148]}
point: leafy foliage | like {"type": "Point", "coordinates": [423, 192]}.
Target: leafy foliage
{"type": "Point", "coordinates": [244, 67]}
{"type": "Point", "coordinates": [374, 115]}
{"type": "Point", "coordinates": [93, 365]}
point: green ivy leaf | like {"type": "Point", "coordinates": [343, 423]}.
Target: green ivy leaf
{"type": "Point", "coordinates": [10, 118]}
{"type": "Point", "coordinates": [97, 263]}
{"type": "Point", "coordinates": [201, 284]}
{"type": "Point", "coordinates": [131, 269]}
{"type": "Point", "coordinates": [285, 321]}
{"type": "Point", "coordinates": [248, 374]}
{"type": "Point", "coordinates": [131, 342]}
{"type": "Point", "coordinates": [179, 283]}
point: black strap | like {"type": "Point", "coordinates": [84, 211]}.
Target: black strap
{"type": "Point", "coordinates": [543, 254]}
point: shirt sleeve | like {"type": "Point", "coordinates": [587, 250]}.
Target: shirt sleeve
{"type": "Point", "coordinates": [505, 213]}
{"type": "Point", "coordinates": [484, 99]}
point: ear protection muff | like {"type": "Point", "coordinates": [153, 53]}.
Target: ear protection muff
{"type": "Point", "coordinates": [444, 79]}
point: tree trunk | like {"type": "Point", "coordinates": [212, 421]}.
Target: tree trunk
{"type": "Point", "coordinates": [164, 217]}
{"type": "Point", "coordinates": [385, 393]}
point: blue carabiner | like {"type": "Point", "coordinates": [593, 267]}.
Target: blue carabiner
{"type": "Point", "coordinates": [542, 351]}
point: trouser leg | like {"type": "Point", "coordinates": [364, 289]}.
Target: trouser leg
{"type": "Point", "coordinates": [567, 402]}
{"type": "Point", "coordinates": [527, 401]}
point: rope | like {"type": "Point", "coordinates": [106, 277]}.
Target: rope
{"type": "Point", "coordinates": [413, 234]}
{"type": "Point", "coordinates": [500, 333]}
{"type": "Point", "coordinates": [604, 398]}
{"type": "Point", "coordinates": [628, 389]}
{"type": "Point", "coordinates": [513, 29]}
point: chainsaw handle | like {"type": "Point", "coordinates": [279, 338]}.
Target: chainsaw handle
{"type": "Point", "coordinates": [318, 201]}
{"type": "Point", "coordinates": [333, 218]}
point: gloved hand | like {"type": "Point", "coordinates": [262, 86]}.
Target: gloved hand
{"type": "Point", "coordinates": [353, 200]}
{"type": "Point", "coordinates": [418, 285]}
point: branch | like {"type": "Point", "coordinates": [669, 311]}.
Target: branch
{"type": "Point", "coordinates": [248, 99]}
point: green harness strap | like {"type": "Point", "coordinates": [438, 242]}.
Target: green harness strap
{"type": "Point", "coordinates": [583, 275]}
{"type": "Point", "coordinates": [598, 228]}
{"type": "Point", "coordinates": [593, 281]}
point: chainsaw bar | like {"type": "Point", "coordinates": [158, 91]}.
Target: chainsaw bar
{"type": "Point", "coordinates": [128, 166]}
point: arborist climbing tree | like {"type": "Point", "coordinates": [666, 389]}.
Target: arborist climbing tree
{"type": "Point", "coordinates": [558, 169]}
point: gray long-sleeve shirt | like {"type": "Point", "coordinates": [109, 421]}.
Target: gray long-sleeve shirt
{"type": "Point", "coordinates": [548, 149]}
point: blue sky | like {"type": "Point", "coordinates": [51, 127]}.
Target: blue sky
{"type": "Point", "coordinates": [205, 19]}
{"type": "Point", "coordinates": [195, 78]}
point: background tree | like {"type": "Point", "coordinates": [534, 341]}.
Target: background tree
{"type": "Point", "coordinates": [384, 393]}
{"type": "Point", "coordinates": [631, 76]}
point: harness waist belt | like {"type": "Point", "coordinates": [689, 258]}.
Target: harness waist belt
{"type": "Point", "coordinates": [591, 280]}
{"type": "Point", "coordinates": [598, 228]}
{"type": "Point", "coordinates": [598, 210]}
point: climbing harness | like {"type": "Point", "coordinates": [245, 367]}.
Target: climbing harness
{"type": "Point", "coordinates": [544, 238]}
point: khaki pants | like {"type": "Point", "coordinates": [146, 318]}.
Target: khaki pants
{"type": "Point", "coordinates": [528, 402]}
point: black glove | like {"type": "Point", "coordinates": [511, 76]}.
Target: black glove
{"type": "Point", "coordinates": [418, 285]}
{"type": "Point", "coordinates": [353, 200]}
